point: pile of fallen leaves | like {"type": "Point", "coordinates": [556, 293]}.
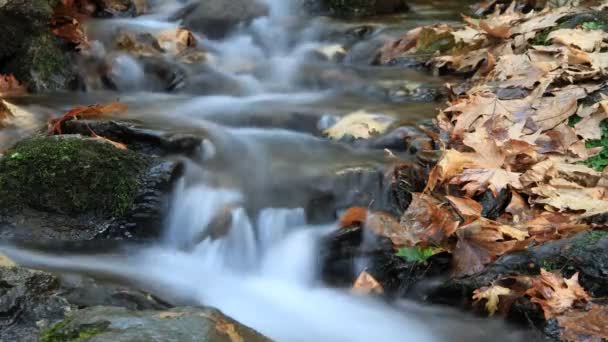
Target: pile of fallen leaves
{"type": "Point", "coordinates": [560, 299]}
{"type": "Point", "coordinates": [529, 126]}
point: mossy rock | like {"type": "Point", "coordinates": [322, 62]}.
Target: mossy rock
{"type": "Point", "coordinates": [70, 175]}
{"type": "Point", "coordinates": [29, 50]}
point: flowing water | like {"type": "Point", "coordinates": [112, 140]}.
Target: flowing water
{"type": "Point", "coordinates": [264, 271]}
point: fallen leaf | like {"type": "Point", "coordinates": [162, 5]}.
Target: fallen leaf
{"type": "Point", "coordinates": [360, 125]}
{"type": "Point", "coordinates": [176, 41]}
{"type": "Point", "coordinates": [592, 201]}
{"type": "Point", "coordinates": [366, 284]}
{"type": "Point", "coordinates": [418, 253]}
{"type": "Point", "coordinates": [481, 242]}
{"type": "Point", "coordinates": [588, 325]}
{"type": "Point", "coordinates": [491, 295]}
{"type": "Point", "coordinates": [467, 208]}
{"type": "Point", "coordinates": [353, 216]}
{"type": "Point", "coordinates": [555, 294]}
{"type": "Point", "coordinates": [427, 221]}
{"type": "Point", "coordinates": [479, 180]}
{"type": "Point", "coordinates": [91, 112]}
{"type": "Point", "coordinates": [589, 127]}
{"type": "Point", "coordinates": [586, 40]}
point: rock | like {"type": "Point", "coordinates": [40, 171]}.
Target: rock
{"type": "Point", "coordinates": [27, 298]}
{"type": "Point", "coordinates": [123, 325]}
{"type": "Point", "coordinates": [216, 18]}
{"type": "Point", "coordinates": [355, 8]}
{"type": "Point", "coordinates": [345, 252]}
{"type": "Point", "coordinates": [585, 253]}
{"type": "Point", "coordinates": [29, 50]}
{"type": "Point", "coordinates": [115, 8]}
{"type": "Point", "coordinates": [74, 188]}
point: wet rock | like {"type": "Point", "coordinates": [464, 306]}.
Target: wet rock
{"type": "Point", "coordinates": [346, 252]}
{"type": "Point", "coordinates": [70, 187]}
{"type": "Point", "coordinates": [147, 141]}
{"type": "Point", "coordinates": [29, 50]}
{"type": "Point", "coordinates": [179, 325]}
{"type": "Point", "coordinates": [585, 253]}
{"type": "Point", "coordinates": [27, 298]}
{"type": "Point", "coordinates": [115, 8]}
{"type": "Point", "coordinates": [356, 8]}
{"type": "Point", "coordinates": [216, 18]}
{"type": "Point", "coordinates": [365, 52]}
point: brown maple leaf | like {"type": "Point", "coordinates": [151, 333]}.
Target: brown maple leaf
{"type": "Point", "coordinates": [555, 294]}
{"type": "Point", "coordinates": [427, 221]}
{"type": "Point", "coordinates": [353, 216]}
{"type": "Point", "coordinates": [481, 242]}
{"type": "Point", "coordinates": [491, 294]}
{"type": "Point", "coordinates": [585, 325]}
{"type": "Point", "coordinates": [91, 112]}
{"type": "Point", "coordinates": [467, 208]}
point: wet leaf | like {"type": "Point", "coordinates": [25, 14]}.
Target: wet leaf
{"type": "Point", "coordinates": [367, 284]}
{"type": "Point", "coordinates": [481, 242]}
{"type": "Point", "coordinates": [426, 220]}
{"type": "Point", "coordinates": [555, 294]}
{"type": "Point", "coordinates": [585, 326]}
{"type": "Point", "coordinates": [467, 208]}
{"type": "Point", "coordinates": [91, 112]}
{"type": "Point", "coordinates": [360, 125]}
{"type": "Point", "coordinates": [491, 295]}
{"type": "Point", "coordinates": [418, 253]}
{"type": "Point", "coordinates": [586, 40]}
{"type": "Point", "coordinates": [353, 216]}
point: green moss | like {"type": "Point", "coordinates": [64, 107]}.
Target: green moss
{"type": "Point", "coordinates": [70, 175]}
{"type": "Point", "coordinates": [64, 332]}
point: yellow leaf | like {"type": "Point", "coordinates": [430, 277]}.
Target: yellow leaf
{"type": "Point", "coordinates": [491, 295]}
{"type": "Point", "coordinates": [360, 125]}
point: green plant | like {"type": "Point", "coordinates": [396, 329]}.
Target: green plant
{"type": "Point", "coordinates": [418, 254]}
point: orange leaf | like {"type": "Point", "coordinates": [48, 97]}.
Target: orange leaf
{"type": "Point", "coordinates": [588, 326]}
{"type": "Point", "coordinates": [353, 216]}
{"type": "Point", "coordinates": [91, 112]}
{"type": "Point", "coordinates": [425, 220]}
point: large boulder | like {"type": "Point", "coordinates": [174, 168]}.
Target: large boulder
{"type": "Point", "coordinates": [75, 188]}
{"type": "Point", "coordinates": [114, 324]}
{"type": "Point", "coordinates": [29, 50]}
{"type": "Point", "coordinates": [216, 18]}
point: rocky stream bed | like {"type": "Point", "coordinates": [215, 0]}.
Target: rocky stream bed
{"type": "Point", "coordinates": [230, 171]}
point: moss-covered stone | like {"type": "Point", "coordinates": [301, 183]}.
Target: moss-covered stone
{"type": "Point", "coordinates": [70, 175]}
{"type": "Point", "coordinates": [63, 331]}
{"type": "Point", "coordinates": [29, 50]}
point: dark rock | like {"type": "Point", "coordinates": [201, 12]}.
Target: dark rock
{"type": "Point", "coordinates": [29, 50]}
{"type": "Point", "coordinates": [142, 140]}
{"type": "Point", "coordinates": [27, 298]}
{"type": "Point", "coordinates": [586, 253]}
{"type": "Point", "coordinates": [216, 18]}
{"type": "Point", "coordinates": [347, 252]}
{"type": "Point", "coordinates": [356, 8]}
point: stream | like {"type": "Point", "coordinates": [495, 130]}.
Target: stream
{"type": "Point", "coordinates": [256, 164]}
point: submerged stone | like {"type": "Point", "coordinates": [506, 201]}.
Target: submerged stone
{"type": "Point", "coordinates": [356, 8]}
